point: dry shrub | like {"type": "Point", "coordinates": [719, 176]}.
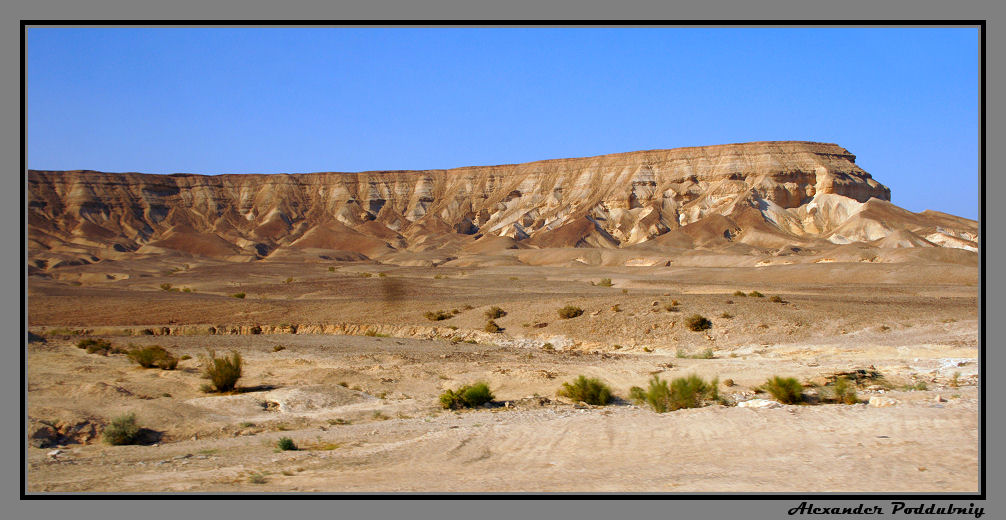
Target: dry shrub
{"type": "Point", "coordinates": [122, 430]}
{"type": "Point", "coordinates": [468, 396]}
{"type": "Point", "coordinates": [223, 372]}
{"type": "Point", "coordinates": [154, 356]}
{"type": "Point", "coordinates": [590, 391]}
{"type": "Point", "coordinates": [569, 311]}
{"type": "Point", "coordinates": [697, 323]}
{"type": "Point", "coordinates": [683, 392]}
{"type": "Point", "coordinates": [786, 390]}
{"type": "Point", "coordinates": [438, 315]}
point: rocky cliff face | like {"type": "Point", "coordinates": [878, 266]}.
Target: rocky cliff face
{"type": "Point", "coordinates": [764, 194]}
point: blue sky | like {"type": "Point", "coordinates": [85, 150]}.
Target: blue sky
{"type": "Point", "coordinates": [905, 101]}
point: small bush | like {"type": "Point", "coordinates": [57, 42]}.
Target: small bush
{"type": "Point", "coordinates": [185, 357]}
{"type": "Point", "coordinates": [438, 315]}
{"type": "Point", "coordinates": [756, 294]}
{"type": "Point", "coordinates": [697, 323]}
{"type": "Point", "coordinates": [101, 344]}
{"type": "Point", "coordinates": [239, 295]}
{"type": "Point", "coordinates": [918, 385]}
{"type": "Point", "coordinates": [278, 348]}
{"type": "Point", "coordinates": [590, 391]}
{"type": "Point", "coordinates": [286, 444]}
{"type": "Point", "coordinates": [331, 269]}
{"type": "Point", "coordinates": [257, 478]}
{"type": "Point", "coordinates": [165, 286]}
{"type": "Point", "coordinates": [844, 391]}
{"type": "Point", "coordinates": [775, 299]}
{"type": "Point", "coordinates": [366, 275]}
{"type": "Point", "coordinates": [726, 315]}
{"type": "Point", "coordinates": [739, 293]}
{"type": "Point", "coordinates": [495, 312]}
{"type": "Point", "coordinates": [683, 392]}
{"type": "Point", "coordinates": [605, 282]}
{"type": "Point", "coordinates": [122, 430]}
{"type": "Point", "coordinates": [786, 390]}
{"type": "Point", "coordinates": [382, 275]}
{"type": "Point", "coordinates": [493, 327]}
{"type": "Point", "coordinates": [569, 312]}
{"type": "Point", "coordinates": [154, 356]}
{"type": "Point", "coordinates": [955, 381]}
{"type": "Point", "coordinates": [670, 307]}
{"type": "Point", "coordinates": [468, 396]}
{"type": "Point", "coordinates": [224, 372]}
{"type": "Point", "coordinates": [187, 290]}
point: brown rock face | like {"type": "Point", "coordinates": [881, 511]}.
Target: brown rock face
{"type": "Point", "coordinates": [788, 191]}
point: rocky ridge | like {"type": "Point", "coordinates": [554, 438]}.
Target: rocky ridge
{"type": "Point", "coordinates": [763, 198]}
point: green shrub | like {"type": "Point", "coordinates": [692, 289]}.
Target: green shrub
{"type": "Point", "coordinates": [382, 275]}
{"type": "Point", "coordinates": [756, 294]}
{"type": "Point", "coordinates": [257, 478]}
{"type": "Point", "coordinates": [239, 295]}
{"type": "Point", "coordinates": [683, 392]}
{"type": "Point", "coordinates": [605, 282]}
{"type": "Point", "coordinates": [468, 396]}
{"type": "Point", "coordinates": [92, 346]}
{"type": "Point", "coordinates": [154, 356]}
{"type": "Point", "coordinates": [165, 286]}
{"type": "Point", "coordinates": [918, 385]}
{"type": "Point", "coordinates": [224, 372]}
{"type": "Point", "coordinates": [786, 390]}
{"type": "Point", "coordinates": [569, 311]}
{"type": "Point", "coordinates": [366, 275]}
{"type": "Point", "coordinates": [698, 323]}
{"type": "Point", "coordinates": [438, 315]}
{"type": "Point", "coordinates": [331, 269]}
{"type": "Point", "coordinates": [844, 391]}
{"type": "Point", "coordinates": [775, 299]}
{"type": "Point", "coordinates": [122, 430]}
{"type": "Point", "coordinates": [739, 293]}
{"type": "Point", "coordinates": [89, 342]}
{"type": "Point", "coordinates": [495, 312]}
{"type": "Point", "coordinates": [704, 354]}
{"type": "Point", "coordinates": [493, 327]}
{"type": "Point", "coordinates": [286, 444]}
{"type": "Point", "coordinates": [590, 391]}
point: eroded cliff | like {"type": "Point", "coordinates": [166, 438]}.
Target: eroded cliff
{"type": "Point", "coordinates": [765, 195]}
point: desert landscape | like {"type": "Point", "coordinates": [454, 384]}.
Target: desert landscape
{"type": "Point", "coordinates": [356, 301]}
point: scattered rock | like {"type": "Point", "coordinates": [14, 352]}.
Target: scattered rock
{"type": "Point", "coordinates": [759, 403]}
{"type": "Point", "coordinates": [940, 399]}
{"type": "Point", "coordinates": [54, 453]}
{"type": "Point", "coordinates": [654, 303]}
{"type": "Point", "coordinates": [879, 401]}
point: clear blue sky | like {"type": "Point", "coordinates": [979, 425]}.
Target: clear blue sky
{"type": "Point", "coordinates": [905, 101]}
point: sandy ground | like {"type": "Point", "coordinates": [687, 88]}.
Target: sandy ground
{"type": "Point", "coordinates": [364, 409]}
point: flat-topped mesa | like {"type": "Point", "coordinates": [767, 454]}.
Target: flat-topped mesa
{"type": "Point", "coordinates": [611, 200]}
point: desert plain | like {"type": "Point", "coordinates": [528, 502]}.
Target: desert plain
{"type": "Point", "coordinates": [364, 410]}
{"type": "Point", "coordinates": [329, 286]}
